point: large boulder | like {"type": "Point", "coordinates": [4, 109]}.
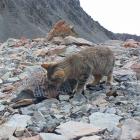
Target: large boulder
{"type": "Point", "coordinates": [61, 29]}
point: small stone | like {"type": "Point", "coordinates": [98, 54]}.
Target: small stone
{"type": "Point", "coordinates": [6, 75]}
{"type": "Point", "coordinates": [8, 88]}
{"type": "Point", "coordinates": [19, 132]}
{"type": "Point", "coordinates": [64, 97]}
{"type": "Point", "coordinates": [58, 116]}
{"type": "Point", "coordinates": [104, 120]}
{"type": "Point", "coordinates": [40, 52]}
{"type": "Point", "coordinates": [13, 79]}
{"type": "Point", "coordinates": [32, 138]}
{"type": "Point", "coordinates": [65, 107]}
{"type": "Point", "coordinates": [11, 42]}
{"type": "Point", "coordinates": [29, 110]}
{"type": "Point", "coordinates": [23, 75]}
{"type": "Point", "coordinates": [124, 75]}
{"type": "Point", "coordinates": [39, 119]}
{"type": "Point", "coordinates": [70, 50]}
{"type": "Point", "coordinates": [100, 101]}
{"type": "Point", "coordinates": [51, 136]}
{"type": "Point", "coordinates": [2, 107]}
{"type": "Point", "coordinates": [78, 99]}
{"type": "Point", "coordinates": [91, 138]}
{"type": "Point", "coordinates": [111, 110]}
{"type": "Point", "coordinates": [116, 133]}
{"type": "Point", "coordinates": [57, 40]}
{"type": "Point", "coordinates": [1, 81]}
{"type": "Point", "coordinates": [34, 129]}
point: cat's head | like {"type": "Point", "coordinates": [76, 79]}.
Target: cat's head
{"type": "Point", "coordinates": [55, 75]}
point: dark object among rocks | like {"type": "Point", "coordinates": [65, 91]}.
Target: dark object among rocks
{"type": "Point", "coordinates": [27, 97]}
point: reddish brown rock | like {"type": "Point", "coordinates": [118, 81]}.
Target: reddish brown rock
{"type": "Point", "coordinates": [136, 68]}
{"type": "Point", "coordinates": [130, 43]}
{"type": "Point", "coordinates": [61, 29]}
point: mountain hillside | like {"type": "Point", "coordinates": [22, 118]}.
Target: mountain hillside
{"type": "Point", "coordinates": [34, 18]}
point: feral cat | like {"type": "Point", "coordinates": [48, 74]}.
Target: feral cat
{"type": "Point", "coordinates": [98, 61]}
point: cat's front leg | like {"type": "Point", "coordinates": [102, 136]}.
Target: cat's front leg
{"type": "Point", "coordinates": [81, 83]}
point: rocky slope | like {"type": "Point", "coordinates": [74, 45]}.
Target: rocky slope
{"type": "Point", "coordinates": [34, 18]}
{"type": "Point", "coordinates": [98, 114]}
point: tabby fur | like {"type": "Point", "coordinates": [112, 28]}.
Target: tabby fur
{"type": "Point", "coordinates": [97, 61]}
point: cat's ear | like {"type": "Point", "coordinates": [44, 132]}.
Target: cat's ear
{"type": "Point", "coordinates": [48, 65]}
{"type": "Point", "coordinates": [59, 74]}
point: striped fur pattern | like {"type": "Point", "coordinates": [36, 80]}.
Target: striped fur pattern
{"type": "Point", "coordinates": [97, 61]}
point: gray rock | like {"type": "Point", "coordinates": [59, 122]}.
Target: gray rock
{"type": "Point", "coordinates": [73, 129]}
{"type": "Point", "coordinates": [91, 138]}
{"type": "Point", "coordinates": [43, 121]}
{"type": "Point", "coordinates": [65, 107]}
{"type": "Point", "coordinates": [10, 42]}
{"type": "Point", "coordinates": [59, 116]}
{"type": "Point", "coordinates": [23, 75]}
{"type": "Point", "coordinates": [48, 103]}
{"type": "Point", "coordinates": [13, 79]}
{"type": "Point", "coordinates": [130, 130]}
{"type": "Point", "coordinates": [116, 133]}
{"type": "Point", "coordinates": [64, 97]}
{"type": "Point", "coordinates": [69, 50]}
{"type": "Point", "coordinates": [104, 120]}
{"type": "Point", "coordinates": [34, 129]}
{"type": "Point", "coordinates": [6, 133]}
{"type": "Point", "coordinates": [111, 110]}
{"type": "Point", "coordinates": [78, 41]}
{"type": "Point", "coordinates": [18, 120]}
{"type": "Point", "coordinates": [29, 110]}
{"type": "Point", "coordinates": [51, 136]}
{"type": "Point", "coordinates": [78, 99]}
{"type": "Point", "coordinates": [1, 81]}
{"type": "Point", "coordinates": [2, 107]}
{"type": "Point", "coordinates": [124, 75]}
{"type": "Point", "coordinates": [39, 119]}
{"type": "Point", "coordinates": [57, 40]}
{"type": "Point", "coordinates": [86, 108]}
{"type": "Point", "coordinates": [19, 132]}
{"type": "Point", "coordinates": [6, 75]}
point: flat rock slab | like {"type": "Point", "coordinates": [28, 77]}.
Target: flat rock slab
{"type": "Point", "coordinates": [32, 138]}
{"type": "Point", "coordinates": [73, 129]}
{"type": "Point", "coordinates": [51, 136]}
{"type": "Point", "coordinates": [18, 120]}
{"type": "Point", "coordinates": [104, 120]}
{"type": "Point", "coordinates": [78, 41]}
{"type": "Point", "coordinates": [91, 138]}
{"type": "Point", "coordinates": [130, 130]}
{"type": "Point", "coordinates": [6, 132]}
